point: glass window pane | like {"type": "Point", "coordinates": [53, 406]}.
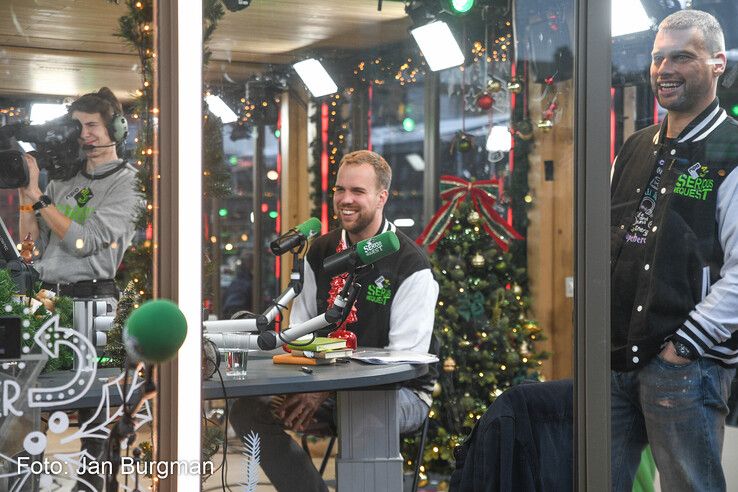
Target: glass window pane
{"type": "Point", "coordinates": [668, 67]}
{"type": "Point", "coordinates": [79, 98]}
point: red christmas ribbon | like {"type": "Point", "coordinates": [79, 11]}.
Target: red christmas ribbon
{"type": "Point", "coordinates": [454, 191]}
{"type": "Point", "coordinates": [337, 284]}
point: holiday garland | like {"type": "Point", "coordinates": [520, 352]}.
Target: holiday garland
{"type": "Point", "coordinates": [136, 28]}
{"type": "Point", "coordinates": [328, 149]}
{"type": "Point", "coordinates": [33, 313]}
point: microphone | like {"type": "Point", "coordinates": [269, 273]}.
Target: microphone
{"type": "Point", "coordinates": [155, 331]}
{"type": "Point", "coordinates": [91, 147]}
{"type": "Point", "coordinates": [362, 253]}
{"type": "Point", "coordinates": [296, 236]}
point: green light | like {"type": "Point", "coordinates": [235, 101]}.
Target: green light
{"type": "Point", "coordinates": [273, 214]}
{"type": "Point", "coordinates": [461, 6]}
{"type": "Point", "coordinates": [277, 133]}
{"type": "Point", "coordinates": [223, 212]}
{"type": "Point", "coordinates": [233, 160]}
{"type": "Point", "coordinates": [408, 124]}
{"type": "Point", "coordinates": [734, 110]}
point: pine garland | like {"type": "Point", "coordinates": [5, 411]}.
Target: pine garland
{"type": "Point", "coordinates": [31, 320]}
{"type": "Point", "coordinates": [337, 132]}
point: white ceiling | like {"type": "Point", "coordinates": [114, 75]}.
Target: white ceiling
{"type": "Point", "coordinates": [68, 47]}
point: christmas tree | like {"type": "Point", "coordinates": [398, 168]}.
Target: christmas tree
{"type": "Point", "coordinates": [487, 341]}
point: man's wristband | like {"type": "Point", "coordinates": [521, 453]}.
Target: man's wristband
{"type": "Point", "coordinates": [43, 201]}
{"type": "Point", "coordinates": [26, 208]}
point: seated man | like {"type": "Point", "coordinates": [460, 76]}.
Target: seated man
{"type": "Point", "coordinates": [401, 318]}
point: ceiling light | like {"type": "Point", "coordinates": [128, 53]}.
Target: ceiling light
{"type": "Point", "coordinates": [628, 17]}
{"type": "Point", "coordinates": [43, 112]}
{"type": "Point", "coordinates": [438, 45]}
{"type": "Point", "coordinates": [499, 139]}
{"type": "Point", "coordinates": [415, 161]}
{"type": "Point", "coordinates": [404, 222]}
{"type": "Point", "coordinates": [220, 109]}
{"type": "Point", "coordinates": [315, 77]}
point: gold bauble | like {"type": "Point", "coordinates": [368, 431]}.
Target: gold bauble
{"type": "Point", "coordinates": [494, 86]}
{"type": "Point", "coordinates": [436, 390]}
{"type": "Point", "coordinates": [478, 260]}
{"type": "Point", "coordinates": [515, 86]}
{"type": "Point", "coordinates": [545, 125]}
{"type": "Point", "coordinates": [473, 218]}
{"type": "Point", "coordinates": [442, 486]}
{"type": "Point", "coordinates": [449, 365]}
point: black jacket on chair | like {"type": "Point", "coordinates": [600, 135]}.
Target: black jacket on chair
{"type": "Point", "coordinates": [523, 442]}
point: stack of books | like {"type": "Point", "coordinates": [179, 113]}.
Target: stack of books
{"type": "Point", "coordinates": [320, 351]}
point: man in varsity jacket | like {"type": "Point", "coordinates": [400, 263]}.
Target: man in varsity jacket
{"type": "Point", "coordinates": [394, 309]}
{"type": "Point", "coordinates": [674, 268]}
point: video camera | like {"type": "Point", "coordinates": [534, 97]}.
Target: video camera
{"type": "Point", "coordinates": [57, 150]}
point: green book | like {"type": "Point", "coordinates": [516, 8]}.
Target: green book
{"type": "Point", "coordinates": [319, 344]}
{"type": "Point", "coordinates": [328, 354]}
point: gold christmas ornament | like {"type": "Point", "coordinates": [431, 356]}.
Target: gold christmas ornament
{"type": "Point", "coordinates": [436, 390]}
{"type": "Point", "coordinates": [545, 125]}
{"type": "Point", "coordinates": [515, 86]}
{"type": "Point", "coordinates": [473, 218]}
{"type": "Point", "coordinates": [449, 365]}
{"type": "Point", "coordinates": [494, 86]}
{"type": "Point", "coordinates": [478, 260]}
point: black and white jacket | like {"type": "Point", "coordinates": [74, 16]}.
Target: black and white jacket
{"type": "Point", "coordinates": [685, 278]}
{"type": "Point", "coordinates": [395, 307]}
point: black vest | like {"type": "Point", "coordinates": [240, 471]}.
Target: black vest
{"type": "Point", "coordinates": [379, 286]}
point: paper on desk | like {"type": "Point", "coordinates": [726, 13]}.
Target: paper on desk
{"type": "Point", "coordinates": [378, 356]}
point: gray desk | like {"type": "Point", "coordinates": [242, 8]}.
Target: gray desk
{"type": "Point", "coordinates": [369, 457]}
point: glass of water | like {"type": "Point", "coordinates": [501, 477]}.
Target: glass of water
{"type": "Point", "coordinates": [235, 361]}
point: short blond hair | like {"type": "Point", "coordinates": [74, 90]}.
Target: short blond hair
{"type": "Point", "coordinates": [381, 169]}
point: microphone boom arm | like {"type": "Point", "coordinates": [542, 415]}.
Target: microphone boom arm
{"type": "Point", "coordinates": [262, 321]}
{"type": "Point", "coordinates": [337, 313]}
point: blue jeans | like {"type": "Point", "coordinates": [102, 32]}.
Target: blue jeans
{"type": "Point", "coordinates": [680, 410]}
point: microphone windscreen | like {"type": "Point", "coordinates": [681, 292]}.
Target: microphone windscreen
{"type": "Point", "coordinates": [155, 331]}
{"type": "Point", "coordinates": [377, 247]}
{"type": "Point", "coordinates": [309, 228]}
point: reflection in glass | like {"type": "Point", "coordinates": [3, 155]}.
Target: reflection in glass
{"type": "Point", "coordinates": [52, 54]}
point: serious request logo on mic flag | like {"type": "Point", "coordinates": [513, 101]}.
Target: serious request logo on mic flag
{"type": "Point", "coordinates": [372, 248]}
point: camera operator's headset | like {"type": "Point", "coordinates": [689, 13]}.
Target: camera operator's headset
{"type": "Point", "coordinates": [118, 128]}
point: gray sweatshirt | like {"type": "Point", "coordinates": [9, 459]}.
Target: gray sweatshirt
{"type": "Point", "coordinates": [103, 212]}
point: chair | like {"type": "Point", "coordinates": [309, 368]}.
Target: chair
{"type": "Point", "coordinates": [418, 458]}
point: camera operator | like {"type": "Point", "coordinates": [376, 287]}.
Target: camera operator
{"type": "Point", "coordinates": [83, 225]}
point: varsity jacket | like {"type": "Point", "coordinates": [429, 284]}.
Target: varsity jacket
{"type": "Point", "coordinates": [684, 280]}
{"type": "Point", "coordinates": [395, 307]}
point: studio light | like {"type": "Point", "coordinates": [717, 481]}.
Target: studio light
{"type": "Point", "coordinates": [220, 109]}
{"type": "Point", "coordinates": [43, 112]}
{"type": "Point", "coordinates": [628, 17]}
{"type": "Point", "coordinates": [315, 77]}
{"type": "Point", "coordinates": [499, 139]}
{"type": "Point", "coordinates": [438, 45]}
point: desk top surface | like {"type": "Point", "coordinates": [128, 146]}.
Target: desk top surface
{"type": "Point", "coordinates": [265, 378]}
